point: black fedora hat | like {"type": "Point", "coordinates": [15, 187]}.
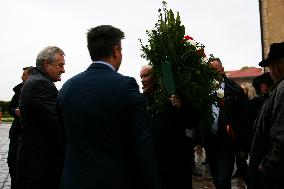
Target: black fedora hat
{"type": "Point", "coordinates": [276, 52]}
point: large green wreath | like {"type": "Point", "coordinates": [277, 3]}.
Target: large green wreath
{"type": "Point", "coordinates": [192, 75]}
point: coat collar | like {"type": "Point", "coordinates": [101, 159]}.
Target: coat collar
{"type": "Point", "coordinates": [276, 84]}
{"type": "Point", "coordinates": [17, 88]}
{"type": "Point", "coordinates": [230, 86]}
{"type": "Point", "coordinates": [99, 66]}
{"type": "Point", "coordinates": [38, 70]}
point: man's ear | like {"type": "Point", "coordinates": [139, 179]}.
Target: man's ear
{"type": "Point", "coordinates": [45, 64]}
{"type": "Point", "coordinates": [116, 51]}
{"type": "Point", "coordinates": [274, 67]}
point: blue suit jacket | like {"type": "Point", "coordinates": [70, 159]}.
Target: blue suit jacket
{"type": "Point", "coordinates": [107, 145]}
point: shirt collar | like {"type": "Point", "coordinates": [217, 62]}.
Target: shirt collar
{"type": "Point", "coordinates": [105, 63]}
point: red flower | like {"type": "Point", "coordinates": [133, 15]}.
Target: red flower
{"type": "Point", "coordinates": [187, 37]}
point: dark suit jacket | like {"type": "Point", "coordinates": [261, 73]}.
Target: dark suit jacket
{"type": "Point", "coordinates": [222, 146]}
{"type": "Point", "coordinates": [234, 113]}
{"type": "Point", "coordinates": [39, 153]}
{"type": "Point", "coordinates": [107, 145]}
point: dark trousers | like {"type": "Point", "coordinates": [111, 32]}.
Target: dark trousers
{"type": "Point", "coordinates": [221, 158]}
{"type": "Point", "coordinates": [12, 161]}
{"type": "Point", "coordinates": [176, 168]}
{"type": "Point", "coordinates": [270, 182]}
{"type": "Point", "coordinates": [242, 167]}
{"type": "Point", "coordinates": [12, 172]}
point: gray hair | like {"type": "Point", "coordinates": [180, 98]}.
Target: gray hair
{"type": "Point", "coordinates": [47, 54]}
{"type": "Point", "coordinates": [147, 66]}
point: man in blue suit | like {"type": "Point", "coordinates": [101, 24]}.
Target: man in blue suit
{"type": "Point", "coordinates": [107, 143]}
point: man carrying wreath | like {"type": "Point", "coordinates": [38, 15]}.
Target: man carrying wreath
{"type": "Point", "coordinates": [226, 137]}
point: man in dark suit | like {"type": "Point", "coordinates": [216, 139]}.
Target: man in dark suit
{"type": "Point", "coordinates": [226, 137]}
{"type": "Point", "coordinates": [107, 143]}
{"type": "Point", "coordinates": [40, 154]}
{"type": "Point", "coordinates": [16, 126]}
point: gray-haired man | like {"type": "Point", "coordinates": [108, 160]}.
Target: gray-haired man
{"type": "Point", "coordinates": [40, 152]}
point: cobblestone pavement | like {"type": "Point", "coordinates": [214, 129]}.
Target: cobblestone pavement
{"type": "Point", "coordinates": [4, 144]}
{"type": "Point", "coordinates": [205, 181]}
{"type": "Point", "coordinates": [199, 182]}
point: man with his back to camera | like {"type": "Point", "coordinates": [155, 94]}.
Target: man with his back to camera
{"type": "Point", "coordinates": [103, 112]}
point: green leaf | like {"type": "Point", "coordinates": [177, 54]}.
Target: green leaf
{"type": "Point", "coordinates": [168, 78]}
{"type": "Point", "coordinates": [178, 65]}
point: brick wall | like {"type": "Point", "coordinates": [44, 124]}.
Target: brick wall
{"type": "Point", "coordinates": [272, 19]}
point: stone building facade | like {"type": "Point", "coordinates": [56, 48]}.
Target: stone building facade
{"type": "Point", "coordinates": [272, 23]}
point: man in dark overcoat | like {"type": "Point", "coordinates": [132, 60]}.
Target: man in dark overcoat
{"type": "Point", "coordinates": [173, 148]}
{"type": "Point", "coordinates": [266, 165]}
{"type": "Point", "coordinates": [40, 151]}
{"type": "Point", "coordinates": [103, 112]}
{"type": "Point", "coordinates": [16, 126]}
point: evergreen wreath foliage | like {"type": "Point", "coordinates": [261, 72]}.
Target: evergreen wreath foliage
{"type": "Point", "coordinates": [191, 71]}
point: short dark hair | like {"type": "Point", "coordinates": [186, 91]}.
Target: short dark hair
{"type": "Point", "coordinates": [102, 39]}
{"type": "Point", "coordinates": [29, 68]}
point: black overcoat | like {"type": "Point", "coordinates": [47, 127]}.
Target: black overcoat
{"type": "Point", "coordinates": [268, 144]}
{"type": "Point", "coordinates": [39, 151]}
{"type": "Point", "coordinates": [172, 146]}
{"type": "Point", "coordinates": [15, 127]}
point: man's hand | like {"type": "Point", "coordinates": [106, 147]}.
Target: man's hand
{"type": "Point", "coordinates": [17, 112]}
{"type": "Point", "coordinates": [176, 101]}
{"type": "Point", "coordinates": [198, 150]}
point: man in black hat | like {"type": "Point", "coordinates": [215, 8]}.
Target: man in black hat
{"type": "Point", "coordinates": [266, 166]}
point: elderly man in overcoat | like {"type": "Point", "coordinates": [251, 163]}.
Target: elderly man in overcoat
{"type": "Point", "coordinates": [40, 150]}
{"type": "Point", "coordinates": [266, 165]}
